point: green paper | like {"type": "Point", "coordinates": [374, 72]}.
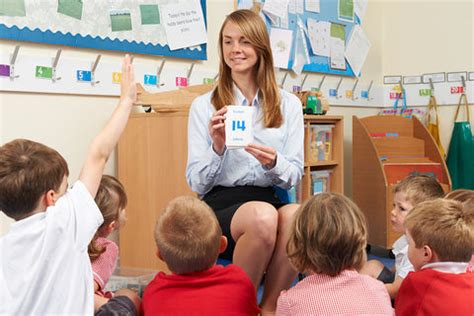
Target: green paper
{"type": "Point", "coordinates": [44, 72]}
{"type": "Point", "coordinates": [150, 14]}
{"type": "Point", "coordinates": [338, 31]}
{"type": "Point", "coordinates": [121, 21]}
{"type": "Point", "coordinates": [12, 8]}
{"type": "Point", "coordinates": [346, 10]}
{"type": "Point", "coordinates": [72, 8]}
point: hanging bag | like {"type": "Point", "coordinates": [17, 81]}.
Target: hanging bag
{"type": "Point", "coordinates": [460, 158]}
{"type": "Point", "coordinates": [433, 124]}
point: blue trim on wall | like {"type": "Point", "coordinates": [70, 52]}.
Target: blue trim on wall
{"type": "Point", "coordinates": [48, 37]}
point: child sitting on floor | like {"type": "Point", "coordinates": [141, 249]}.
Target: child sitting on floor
{"type": "Point", "coordinates": [44, 265]}
{"type": "Point", "coordinates": [189, 239]}
{"type": "Point", "coordinates": [327, 242]}
{"type": "Point", "coordinates": [407, 194]}
{"type": "Point", "coordinates": [111, 200]}
{"type": "Point", "coordinates": [440, 242]}
{"type": "Point", "coordinates": [464, 196]}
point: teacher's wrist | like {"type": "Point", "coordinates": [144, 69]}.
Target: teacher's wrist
{"type": "Point", "coordinates": [218, 152]}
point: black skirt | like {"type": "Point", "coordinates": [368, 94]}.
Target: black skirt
{"type": "Point", "coordinates": [226, 200]}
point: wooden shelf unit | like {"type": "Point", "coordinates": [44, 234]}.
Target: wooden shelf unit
{"type": "Point", "coordinates": [335, 165]}
{"type": "Point", "coordinates": [371, 188]}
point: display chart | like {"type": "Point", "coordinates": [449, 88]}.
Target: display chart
{"type": "Point", "coordinates": [165, 28]}
{"type": "Point", "coordinates": [323, 36]}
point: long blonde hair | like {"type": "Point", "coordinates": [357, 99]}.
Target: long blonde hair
{"type": "Point", "coordinates": [255, 31]}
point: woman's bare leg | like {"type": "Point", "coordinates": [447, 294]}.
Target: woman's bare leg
{"type": "Point", "coordinates": [254, 228]}
{"type": "Point", "coordinates": [280, 274]}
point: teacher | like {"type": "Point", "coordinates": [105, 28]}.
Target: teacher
{"type": "Point", "coordinates": [238, 184]}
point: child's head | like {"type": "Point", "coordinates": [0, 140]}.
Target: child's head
{"type": "Point", "coordinates": [188, 235]}
{"type": "Point", "coordinates": [32, 177]}
{"type": "Point", "coordinates": [410, 192]}
{"type": "Point", "coordinates": [328, 235]}
{"type": "Point", "coordinates": [111, 200]}
{"type": "Point", "coordinates": [461, 195]}
{"type": "Point", "coordinates": [440, 230]}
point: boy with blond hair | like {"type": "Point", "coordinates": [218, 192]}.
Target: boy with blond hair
{"type": "Point", "coordinates": [189, 239]}
{"type": "Point", "coordinates": [440, 243]}
{"type": "Point", "coordinates": [407, 194]}
{"type": "Point", "coordinates": [44, 265]}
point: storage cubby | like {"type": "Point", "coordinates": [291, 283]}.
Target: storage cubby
{"type": "Point", "coordinates": [329, 156]}
{"type": "Point", "coordinates": [386, 149]}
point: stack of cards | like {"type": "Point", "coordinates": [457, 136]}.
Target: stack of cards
{"type": "Point", "coordinates": [238, 126]}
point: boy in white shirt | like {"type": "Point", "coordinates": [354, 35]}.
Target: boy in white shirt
{"type": "Point", "coordinates": [44, 265]}
{"type": "Point", "coordinates": [407, 194]}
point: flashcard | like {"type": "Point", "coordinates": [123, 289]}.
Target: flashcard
{"type": "Point", "coordinates": [238, 126]}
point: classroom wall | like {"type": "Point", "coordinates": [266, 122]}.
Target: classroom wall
{"type": "Point", "coordinates": [68, 123]}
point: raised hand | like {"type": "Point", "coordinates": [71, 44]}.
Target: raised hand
{"type": "Point", "coordinates": [217, 130]}
{"type": "Point", "coordinates": [266, 155]}
{"type": "Point", "coordinates": [128, 88]}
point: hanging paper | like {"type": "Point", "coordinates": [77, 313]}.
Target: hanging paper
{"type": "Point", "coordinates": [318, 32]}
{"type": "Point", "coordinates": [337, 38]}
{"type": "Point", "coordinates": [359, 8]}
{"type": "Point", "coordinates": [281, 40]}
{"type": "Point", "coordinates": [346, 10]}
{"type": "Point", "coordinates": [277, 8]}
{"type": "Point", "coordinates": [301, 55]}
{"type": "Point", "coordinates": [357, 49]}
{"type": "Point", "coordinates": [313, 6]}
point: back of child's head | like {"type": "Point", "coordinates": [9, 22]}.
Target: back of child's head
{"type": "Point", "coordinates": [460, 195]}
{"type": "Point", "coordinates": [188, 235]}
{"type": "Point", "coordinates": [328, 235]}
{"type": "Point", "coordinates": [111, 200]}
{"type": "Point", "coordinates": [420, 188]}
{"type": "Point", "coordinates": [446, 226]}
{"type": "Point", "coordinates": [27, 171]}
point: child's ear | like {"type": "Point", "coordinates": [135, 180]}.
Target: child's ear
{"type": "Point", "coordinates": [223, 245]}
{"type": "Point", "coordinates": [49, 198]}
{"type": "Point", "coordinates": [428, 254]}
{"type": "Point", "coordinates": [158, 254]}
{"type": "Point", "coordinates": [112, 226]}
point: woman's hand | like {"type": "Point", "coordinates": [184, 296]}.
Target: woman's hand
{"type": "Point", "coordinates": [217, 130]}
{"type": "Point", "coordinates": [267, 156]}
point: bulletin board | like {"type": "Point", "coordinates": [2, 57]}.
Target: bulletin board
{"type": "Point", "coordinates": [120, 25]}
{"type": "Point", "coordinates": [329, 11]}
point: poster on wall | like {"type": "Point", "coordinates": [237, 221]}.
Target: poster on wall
{"type": "Point", "coordinates": [145, 27]}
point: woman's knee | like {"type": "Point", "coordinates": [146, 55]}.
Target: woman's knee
{"type": "Point", "coordinates": [260, 219]}
{"type": "Point", "coordinates": [286, 214]}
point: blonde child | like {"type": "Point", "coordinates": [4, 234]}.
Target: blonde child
{"type": "Point", "coordinates": [44, 265]}
{"type": "Point", "coordinates": [189, 239]}
{"type": "Point", "coordinates": [407, 194]}
{"type": "Point", "coordinates": [440, 241]}
{"type": "Point", "coordinates": [111, 200]}
{"type": "Point", "coordinates": [467, 197]}
{"type": "Point", "coordinates": [327, 242]}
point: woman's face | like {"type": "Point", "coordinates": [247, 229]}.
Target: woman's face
{"type": "Point", "coordinates": [239, 54]}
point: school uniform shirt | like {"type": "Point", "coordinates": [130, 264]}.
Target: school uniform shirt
{"type": "Point", "coordinates": [402, 264]}
{"type": "Point", "coordinates": [348, 293]}
{"type": "Point", "coordinates": [104, 265]}
{"type": "Point", "coordinates": [215, 291]}
{"type": "Point", "coordinates": [236, 167]}
{"type": "Point", "coordinates": [442, 288]}
{"type": "Point", "coordinates": [44, 265]}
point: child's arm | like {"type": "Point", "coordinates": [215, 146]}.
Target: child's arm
{"type": "Point", "coordinates": [107, 139]}
{"type": "Point", "coordinates": [392, 288]}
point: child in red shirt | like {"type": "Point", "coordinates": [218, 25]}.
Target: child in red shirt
{"type": "Point", "coordinates": [440, 242]}
{"type": "Point", "coordinates": [189, 239]}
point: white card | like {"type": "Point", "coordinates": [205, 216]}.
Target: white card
{"type": "Point", "coordinates": [238, 126]}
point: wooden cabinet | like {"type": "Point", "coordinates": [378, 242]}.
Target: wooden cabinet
{"type": "Point", "coordinates": [335, 165]}
{"type": "Point", "coordinates": [386, 149]}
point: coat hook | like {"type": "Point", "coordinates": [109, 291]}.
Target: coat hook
{"type": "Point", "coordinates": [337, 88]}
{"type": "Point", "coordinates": [321, 83]}
{"type": "Point", "coordinates": [368, 90]}
{"type": "Point", "coordinates": [190, 71]}
{"type": "Point", "coordinates": [303, 81]}
{"type": "Point", "coordinates": [158, 73]}
{"type": "Point", "coordinates": [12, 63]}
{"type": "Point", "coordinates": [93, 68]}
{"type": "Point", "coordinates": [353, 90]}
{"type": "Point", "coordinates": [55, 64]}
{"type": "Point", "coordinates": [463, 82]}
{"type": "Point", "coordinates": [283, 80]}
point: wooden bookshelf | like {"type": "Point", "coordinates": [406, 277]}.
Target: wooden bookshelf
{"type": "Point", "coordinates": [372, 185]}
{"type": "Point", "coordinates": [335, 165]}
